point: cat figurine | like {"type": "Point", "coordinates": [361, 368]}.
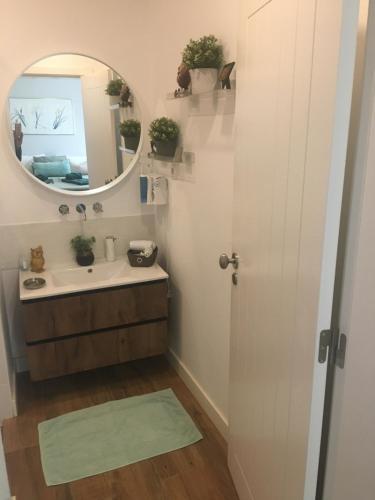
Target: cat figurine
{"type": "Point", "coordinates": [125, 96]}
{"type": "Point", "coordinates": [183, 76]}
{"type": "Point", "coordinates": [37, 260]}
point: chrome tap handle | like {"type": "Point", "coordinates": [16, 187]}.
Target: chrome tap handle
{"type": "Point", "coordinates": [81, 209]}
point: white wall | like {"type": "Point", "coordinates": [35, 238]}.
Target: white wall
{"type": "Point", "coordinates": [4, 484]}
{"type": "Point", "coordinates": [61, 87]}
{"type": "Point", "coordinates": [197, 224]}
{"type": "Point", "coordinates": [7, 369]}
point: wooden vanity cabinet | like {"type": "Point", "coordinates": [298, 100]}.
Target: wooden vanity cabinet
{"type": "Point", "coordinates": [77, 332]}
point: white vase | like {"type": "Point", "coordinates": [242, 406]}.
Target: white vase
{"type": "Point", "coordinates": [203, 80]}
{"type": "Point", "coordinates": [114, 100]}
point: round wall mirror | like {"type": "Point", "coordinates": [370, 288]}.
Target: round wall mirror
{"type": "Point", "coordinates": [75, 124]}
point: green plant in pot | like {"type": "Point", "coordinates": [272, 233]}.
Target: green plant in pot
{"type": "Point", "coordinates": [203, 57]}
{"type": "Point", "coordinates": [131, 132]}
{"type": "Point", "coordinates": [83, 249]}
{"type": "Point", "coordinates": [114, 87]}
{"type": "Point", "coordinates": [164, 134]}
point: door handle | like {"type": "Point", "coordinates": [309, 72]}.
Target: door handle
{"type": "Point", "coordinates": [224, 260]}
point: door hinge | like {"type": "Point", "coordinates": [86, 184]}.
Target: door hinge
{"type": "Point", "coordinates": [335, 342]}
{"type": "Point", "coordinates": [324, 343]}
{"type": "Point", "coordinates": [340, 350]}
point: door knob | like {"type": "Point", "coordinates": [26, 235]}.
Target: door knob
{"type": "Point", "coordinates": [224, 260]}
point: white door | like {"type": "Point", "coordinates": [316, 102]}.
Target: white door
{"type": "Point", "coordinates": [295, 74]}
{"type": "Point", "coordinates": [99, 129]}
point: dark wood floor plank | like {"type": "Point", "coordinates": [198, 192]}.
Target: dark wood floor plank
{"type": "Point", "coordinates": [26, 477]}
{"type": "Point", "coordinates": [164, 465]}
{"type": "Point", "coordinates": [95, 488]}
{"type": "Point", "coordinates": [197, 472]}
{"type": "Point", "coordinates": [174, 488]}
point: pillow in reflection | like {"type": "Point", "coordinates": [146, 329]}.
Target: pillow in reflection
{"type": "Point", "coordinates": [48, 159]}
{"type": "Point", "coordinates": [52, 168]}
{"type": "Point", "coordinates": [78, 164]}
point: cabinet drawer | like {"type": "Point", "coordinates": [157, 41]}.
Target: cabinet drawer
{"type": "Point", "coordinates": [85, 352]}
{"type": "Point", "coordinates": [86, 312]}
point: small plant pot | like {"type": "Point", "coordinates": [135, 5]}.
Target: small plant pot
{"type": "Point", "coordinates": [114, 100]}
{"type": "Point", "coordinates": [203, 80]}
{"type": "Point", "coordinates": [85, 259]}
{"type": "Point", "coordinates": [164, 148]}
{"type": "Point", "coordinates": [132, 143]}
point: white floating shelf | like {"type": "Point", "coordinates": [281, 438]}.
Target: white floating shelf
{"type": "Point", "coordinates": [172, 97]}
{"type": "Point", "coordinates": [127, 151]}
{"type": "Point", "coordinates": [218, 93]}
{"type": "Point", "coordinates": [114, 107]}
{"type": "Point", "coordinates": [217, 102]}
{"type": "Point", "coordinates": [179, 158]}
{"type": "Point", "coordinates": [166, 159]}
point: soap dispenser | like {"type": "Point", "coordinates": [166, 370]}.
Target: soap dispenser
{"type": "Point", "coordinates": [109, 243]}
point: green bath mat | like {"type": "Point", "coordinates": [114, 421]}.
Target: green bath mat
{"type": "Point", "coordinates": [87, 442]}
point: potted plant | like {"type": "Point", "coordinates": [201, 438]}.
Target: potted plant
{"type": "Point", "coordinates": [203, 57]}
{"type": "Point", "coordinates": [114, 87]}
{"type": "Point", "coordinates": [114, 90]}
{"type": "Point", "coordinates": [83, 249]}
{"type": "Point", "coordinates": [164, 134]}
{"type": "Point", "coordinates": [131, 132]}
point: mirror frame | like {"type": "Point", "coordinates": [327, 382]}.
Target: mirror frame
{"type": "Point", "coordinates": [90, 192]}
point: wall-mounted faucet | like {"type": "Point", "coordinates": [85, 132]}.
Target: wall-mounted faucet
{"type": "Point", "coordinates": [81, 209]}
{"type": "Point", "coordinates": [64, 209]}
{"type": "Point", "coordinates": [97, 207]}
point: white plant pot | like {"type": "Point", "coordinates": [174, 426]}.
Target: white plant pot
{"type": "Point", "coordinates": [203, 80]}
{"type": "Point", "coordinates": [114, 100]}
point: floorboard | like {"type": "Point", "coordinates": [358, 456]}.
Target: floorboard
{"type": "Point", "coordinates": [198, 472]}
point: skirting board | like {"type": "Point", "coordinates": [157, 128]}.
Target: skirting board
{"type": "Point", "coordinates": [239, 478]}
{"type": "Point", "coordinates": [209, 407]}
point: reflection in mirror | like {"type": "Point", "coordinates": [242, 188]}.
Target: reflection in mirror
{"type": "Point", "coordinates": [70, 118]}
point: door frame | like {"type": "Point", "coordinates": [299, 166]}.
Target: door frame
{"type": "Point", "coordinates": [344, 91]}
{"type": "Point", "coordinates": [358, 134]}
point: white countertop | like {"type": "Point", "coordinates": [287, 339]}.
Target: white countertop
{"type": "Point", "coordinates": [67, 280]}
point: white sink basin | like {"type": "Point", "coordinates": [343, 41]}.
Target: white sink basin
{"type": "Point", "coordinates": [90, 274]}
{"type": "Point", "coordinates": [74, 279]}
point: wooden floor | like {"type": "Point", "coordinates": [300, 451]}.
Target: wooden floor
{"type": "Point", "coordinates": [198, 472]}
